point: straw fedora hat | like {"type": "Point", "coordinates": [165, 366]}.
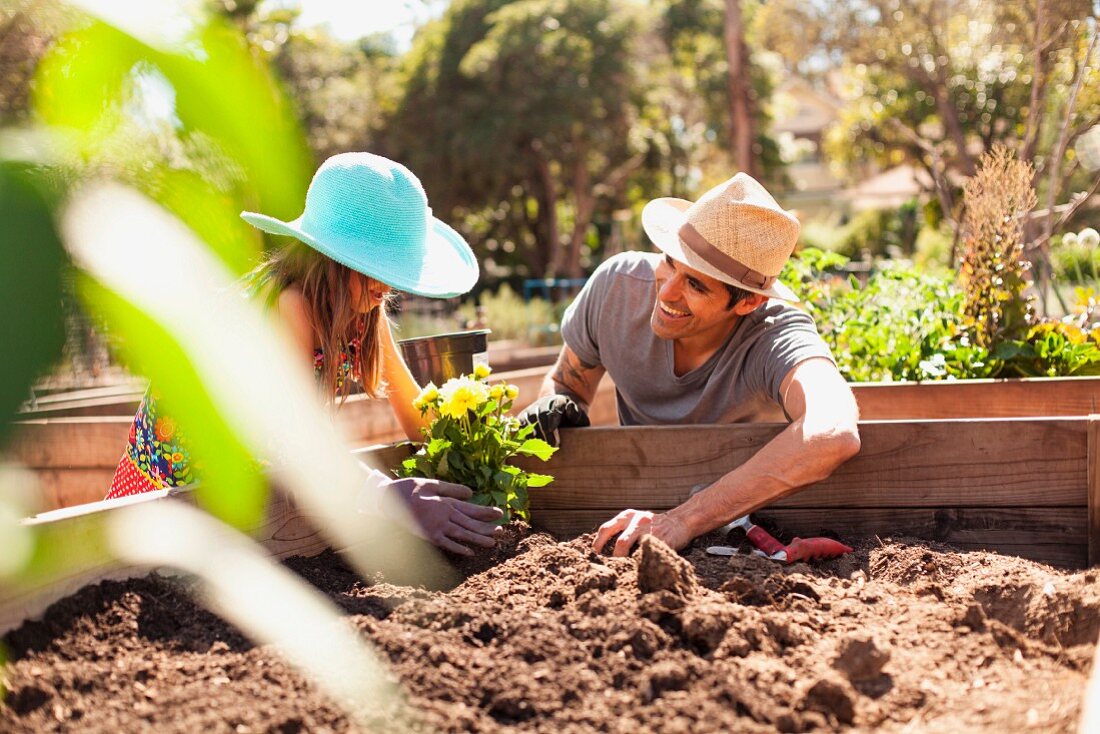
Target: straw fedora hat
{"type": "Point", "coordinates": [736, 232]}
{"type": "Point", "coordinates": [372, 215]}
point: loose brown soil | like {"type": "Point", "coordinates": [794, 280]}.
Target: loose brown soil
{"type": "Point", "coordinates": [895, 637]}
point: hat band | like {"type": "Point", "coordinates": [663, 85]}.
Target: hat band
{"type": "Point", "coordinates": [738, 270]}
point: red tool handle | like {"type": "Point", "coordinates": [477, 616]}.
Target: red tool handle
{"type": "Point", "coordinates": [804, 549]}
{"type": "Point", "coordinates": [763, 540]}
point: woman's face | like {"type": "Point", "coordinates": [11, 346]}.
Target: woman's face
{"type": "Point", "coordinates": [366, 293]}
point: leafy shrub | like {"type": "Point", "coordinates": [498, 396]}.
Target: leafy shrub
{"type": "Point", "coordinates": [1051, 349]}
{"type": "Point", "coordinates": [903, 325]}
{"type": "Point", "coordinates": [911, 325]}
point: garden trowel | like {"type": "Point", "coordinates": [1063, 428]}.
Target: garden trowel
{"type": "Point", "coordinates": [799, 549]}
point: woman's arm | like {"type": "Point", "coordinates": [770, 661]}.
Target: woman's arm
{"type": "Point", "coordinates": [400, 386]}
{"type": "Point", "coordinates": [293, 310]}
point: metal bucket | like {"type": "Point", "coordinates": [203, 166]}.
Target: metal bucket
{"type": "Point", "coordinates": [443, 356]}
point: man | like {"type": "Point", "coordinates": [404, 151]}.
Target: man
{"type": "Point", "coordinates": [700, 333]}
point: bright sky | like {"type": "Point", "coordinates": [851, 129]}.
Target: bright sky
{"type": "Point", "coordinates": [352, 19]}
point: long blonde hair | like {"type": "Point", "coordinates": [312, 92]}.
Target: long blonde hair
{"type": "Point", "coordinates": [326, 286]}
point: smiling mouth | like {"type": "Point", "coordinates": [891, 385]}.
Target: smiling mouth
{"type": "Point", "coordinates": [672, 312]}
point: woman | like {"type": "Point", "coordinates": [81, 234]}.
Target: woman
{"type": "Point", "coordinates": [366, 230]}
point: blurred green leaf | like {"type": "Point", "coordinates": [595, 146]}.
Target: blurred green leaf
{"type": "Point", "coordinates": [31, 262]}
{"type": "Point", "coordinates": [204, 130]}
{"type": "Point", "coordinates": [231, 486]}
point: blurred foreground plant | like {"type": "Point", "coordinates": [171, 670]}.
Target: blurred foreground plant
{"type": "Point", "coordinates": [471, 439]}
{"type": "Point", "coordinates": [165, 286]}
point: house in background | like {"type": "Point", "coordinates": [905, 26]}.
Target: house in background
{"type": "Point", "coordinates": [801, 114]}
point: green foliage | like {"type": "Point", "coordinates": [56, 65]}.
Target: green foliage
{"type": "Point", "coordinates": [471, 439]}
{"type": "Point", "coordinates": [179, 125]}
{"type": "Point", "coordinates": [31, 262]}
{"type": "Point", "coordinates": [1075, 261]}
{"type": "Point", "coordinates": [533, 322]}
{"type": "Point", "coordinates": [694, 32]}
{"type": "Point", "coordinates": [911, 325]}
{"type": "Point", "coordinates": [903, 325]}
{"type": "Point", "coordinates": [1051, 349]}
{"type": "Point", "coordinates": [932, 249]}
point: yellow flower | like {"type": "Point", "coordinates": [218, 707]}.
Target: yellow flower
{"type": "Point", "coordinates": [426, 396]}
{"type": "Point", "coordinates": [177, 457]}
{"type": "Point", "coordinates": [461, 394]}
{"type": "Point", "coordinates": [496, 392]}
{"type": "Point", "coordinates": [511, 391]}
{"type": "Point", "coordinates": [481, 371]}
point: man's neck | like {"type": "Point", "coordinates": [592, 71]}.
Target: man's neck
{"type": "Point", "coordinates": [692, 352]}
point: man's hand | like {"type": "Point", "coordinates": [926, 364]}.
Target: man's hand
{"type": "Point", "coordinates": [549, 413]}
{"type": "Point", "coordinates": [444, 518]}
{"type": "Point", "coordinates": [631, 525]}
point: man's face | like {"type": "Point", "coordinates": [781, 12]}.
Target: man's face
{"type": "Point", "coordinates": [690, 303]}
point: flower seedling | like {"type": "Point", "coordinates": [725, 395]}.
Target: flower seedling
{"type": "Point", "coordinates": [470, 439]}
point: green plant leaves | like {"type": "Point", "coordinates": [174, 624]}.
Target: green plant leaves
{"type": "Point", "coordinates": [31, 262]}
{"type": "Point", "coordinates": [474, 448]}
{"type": "Point", "coordinates": [538, 480]}
{"type": "Point", "coordinates": [536, 447]}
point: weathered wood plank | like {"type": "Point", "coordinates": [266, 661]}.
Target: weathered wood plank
{"type": "Point", "coordinates": [1051, 535]}
{"type": "Point", "coordinates": [70, 443]}
{"type": "Point", "coordinates": [977, 463]}
{"type": "Point", "coordinates": [68, 487]}
{"type": "Point", "coordinates": [1094, 489]}
{"type": "Point", "coordinates": [125, 404]}
{"type": "Point", "coordinates": [1047, 396]}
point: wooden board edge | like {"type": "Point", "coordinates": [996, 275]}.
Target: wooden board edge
{"type": "Point", "coordinates": [1094, 489]}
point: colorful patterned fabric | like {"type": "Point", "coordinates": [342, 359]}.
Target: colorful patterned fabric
{"type": "Point", "coordinates": [157, 454]}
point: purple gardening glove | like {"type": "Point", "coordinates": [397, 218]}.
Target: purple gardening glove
{"type": "Point", "coordinates": [444, 517]}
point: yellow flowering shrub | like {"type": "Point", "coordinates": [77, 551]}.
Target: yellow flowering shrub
{"type": "Point", "coordinates": [472, 437]}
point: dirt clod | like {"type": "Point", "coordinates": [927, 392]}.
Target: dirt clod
{"type": "Point", "coordinates": [661, 569]}
{"type": "Point", "coordinates": [860, 659]}
{"type": "Point", "coordinates": [832, 697]}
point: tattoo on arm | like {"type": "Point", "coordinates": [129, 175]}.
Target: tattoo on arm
{"type": "Point", "coordinates": [572, 376]}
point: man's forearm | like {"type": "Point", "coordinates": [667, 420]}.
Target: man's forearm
{"type": "Point", "coordinates": [792, 460]}
{"type": "Point", "coordinates": [571, 376]}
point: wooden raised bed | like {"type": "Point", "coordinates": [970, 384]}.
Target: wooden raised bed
{"type": "Point", "coordinates": [1028, 487]}
{"type": "Point", "coordinates": [74, 453]}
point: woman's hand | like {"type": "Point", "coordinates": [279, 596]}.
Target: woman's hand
{"type": "Point", "coordinates": [444, 517]}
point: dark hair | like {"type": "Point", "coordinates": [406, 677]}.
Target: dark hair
{"type": "Point", "coordinates": [736, 295]}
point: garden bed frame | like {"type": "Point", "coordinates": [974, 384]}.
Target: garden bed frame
{"type": "Point", "coordinates": [1022, 486]}
{"type": "Point", "coordinates": [73, 445]}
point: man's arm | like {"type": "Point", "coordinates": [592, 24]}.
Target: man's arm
{"type": "Point", "coordinates": [564, 397]}
{"type": "Point", "coordinates": [571, 376]}
{"type": "Point", "coordinates": [822, 435]}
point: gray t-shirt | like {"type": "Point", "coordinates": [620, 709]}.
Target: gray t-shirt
{"type": "Point", "coordinates": [608, 324]}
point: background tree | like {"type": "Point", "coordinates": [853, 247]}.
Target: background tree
{"type": "Point", "coordinates": [723, 81]}
{"type": "Point", "coordinates": [524, 116]}
{"type": "Point", "coordinates": [936, 82]}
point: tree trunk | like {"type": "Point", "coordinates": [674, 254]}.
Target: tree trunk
{"type": "Point", "coordinates": [741, 133]}
{"type": "Point", "coordinates": [584, 206]}
{"type": "Point", "coordinates": [550, 244]}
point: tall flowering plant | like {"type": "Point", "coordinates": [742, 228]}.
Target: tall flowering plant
{"type": "Point", "coordinates": [471, 438]}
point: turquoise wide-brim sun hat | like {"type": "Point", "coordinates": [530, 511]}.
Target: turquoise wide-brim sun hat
{"type": "Point", "coordinates": [372, 215]}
